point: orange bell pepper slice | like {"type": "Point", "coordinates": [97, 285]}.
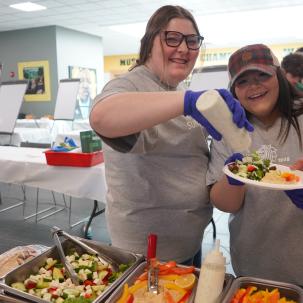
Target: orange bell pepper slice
{"type": "Point", "coordinates": [185, 297]}
{"type": "Point", "coordinates": [168, 297]}
{"type": "Point", "coordinates": [169, 269]}
{"type": "Point", "coordinates": [125, 294]}
{"type": "Point", "coordinates": [142, 277]}
{"type": "Point", "coordinates": [173, 286]}
{"type": "Point", "coordinates": [169, 277]}
{"type": "Point", "coordinates": [137, 286]}
{"type": "Point", "coordinates": [290, 177]}
{"type": "Point", "coordinates": [130, 298]}
{"type": "Point", "coordinates": [182, 270]}
{"type": "Point", "coordinates": [252, 295]}
{"type": "Point", "coordinates": [167, 265]}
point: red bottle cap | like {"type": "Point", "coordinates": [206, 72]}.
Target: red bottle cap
{"type": "Point", "coordinates": [151, 246]}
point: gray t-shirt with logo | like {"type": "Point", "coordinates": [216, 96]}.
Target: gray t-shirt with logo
{"type": "Point", "coordinates": [266, 233]}
{"type": "Point", "coordinates": [156, 180]}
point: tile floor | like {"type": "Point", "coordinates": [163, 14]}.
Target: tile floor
{"type": "Point", "coordinates": [15, 231]}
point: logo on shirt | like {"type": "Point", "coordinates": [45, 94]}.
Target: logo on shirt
{"type": "Point", "coordinates": [270, 152]}
{"type": "Point", "coordinates": [191, 123]}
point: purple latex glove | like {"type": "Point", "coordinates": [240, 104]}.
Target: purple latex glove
{"type": "Point", "coordinates": [233, 158]}
{"type": "Point", "coordinates": [296, 196]}
{"type": "Point", "coordinates": [239, 117]}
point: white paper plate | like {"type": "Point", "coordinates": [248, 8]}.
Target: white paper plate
{"type": "Point", "coordinates": [283, 168]}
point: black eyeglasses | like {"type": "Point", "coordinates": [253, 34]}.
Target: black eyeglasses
{"type": "Point", "coordinates": [174, 39]}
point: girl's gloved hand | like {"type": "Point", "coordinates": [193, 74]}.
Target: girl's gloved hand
{"type": "Point", "coordinates": [297, 165]}
{"type": "Point", "coordinates": [296, 196]}
{"type": "Point", "coordinates": [233, 158]}
{"type": "Point", "coordinates": [239, 117]}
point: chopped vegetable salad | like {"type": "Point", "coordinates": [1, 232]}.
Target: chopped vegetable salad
{"type": "Point", "coordinates": [254, 168]}
{"type": "Point", "coordinates": [251, 167]}
{"type": "Point", "coordinates": [52, 283]}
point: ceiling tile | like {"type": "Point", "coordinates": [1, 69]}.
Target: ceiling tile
{"type": "Point", "coordinates": [95, 15]}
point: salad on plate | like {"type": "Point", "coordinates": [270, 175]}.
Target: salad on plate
{"type": "Point", "coordinates": [254, 168]}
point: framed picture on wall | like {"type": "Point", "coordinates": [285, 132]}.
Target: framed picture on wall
{"type": "Point", "coordinates": [87, 89]}
{"type": "Point", "coordinates": [37, 74]}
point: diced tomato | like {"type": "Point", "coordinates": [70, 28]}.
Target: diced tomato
{"type": "Point", "coordinates": [89, 282]}
{"type": "Point", "coordinates": [51, 290]}
{"type": "Point", "coordinates": [251, 168]}
{"type": "Point", "coordinates": [87, 296]}
{"type": "Point", "coordinates": [30, 284]}
{"type": "Point", "coordinates": [109, 270]}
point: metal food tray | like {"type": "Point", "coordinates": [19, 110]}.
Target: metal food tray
{"type": "Point", "coordinates": [290, 291]}
{"type": "Point", "coordinates": [11, 299]}
{"type": "Point", "coordinates": [22, 272]}
{"type": "Point", "coordinates": [140, 269]}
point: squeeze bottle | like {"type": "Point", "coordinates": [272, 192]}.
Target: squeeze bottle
{"type": "Point", "coordinates": [211, 279]}
{"type": "Point", "coordinates": [213, 107]}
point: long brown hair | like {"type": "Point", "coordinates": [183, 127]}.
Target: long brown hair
{"type": "Point", "coordinates": [287, 107]}
{"type": "Point", "coordinates": [156, 23]}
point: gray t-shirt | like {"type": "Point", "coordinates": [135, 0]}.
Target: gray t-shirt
{"type": "Point", "coordinates": [156, 180]}
{"type": "Point", "coordinates": [266, 233]}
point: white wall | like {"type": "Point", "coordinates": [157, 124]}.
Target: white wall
{"type": "Point", "coordinates": [79, 49]}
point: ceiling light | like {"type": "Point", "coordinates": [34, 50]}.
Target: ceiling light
{"type": "Point", "coordinates": [28, 6]}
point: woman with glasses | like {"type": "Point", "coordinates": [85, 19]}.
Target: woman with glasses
{"type": "Point", "coordinates": [155, 149]}
{"type": "Point", "coordinates": [266, 226]}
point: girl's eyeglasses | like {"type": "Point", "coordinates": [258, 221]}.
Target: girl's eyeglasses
{"type": "Point", "coordinates": [174, 39]}
{"type": "Point", "coordinates": [245, 81]}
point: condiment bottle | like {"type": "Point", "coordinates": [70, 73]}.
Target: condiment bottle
{"type": "Point", "coordinates": [213, 107]}
{"type": "Point", "coordinates": [211, 279]}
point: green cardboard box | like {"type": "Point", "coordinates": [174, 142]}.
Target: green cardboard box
{"type": "Point", "coordinates": [90, 142]}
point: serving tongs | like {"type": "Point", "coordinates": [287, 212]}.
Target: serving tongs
{"type": "Point", "coordinates": [57, 232]}
{"type": "Point", "coordinates": [152, 265]}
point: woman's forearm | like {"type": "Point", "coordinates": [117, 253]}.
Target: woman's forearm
{"type": "Point", "coordinates": [128, 113]}
{"type": "Point", "coordinates": [226, 197]}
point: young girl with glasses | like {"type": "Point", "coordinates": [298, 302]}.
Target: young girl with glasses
{"type": "Point", "coordinates": [155, 147]}
{"type": "Point", "coordinates": [266, 226]}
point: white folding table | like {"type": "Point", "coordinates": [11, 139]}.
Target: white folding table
{"type": "Point", "coordinates": [28, 167]}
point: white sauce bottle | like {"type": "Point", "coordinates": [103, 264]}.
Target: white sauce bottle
{"type": "Point", "coordinates": [212, 275]}
{"type": "Point", "coordinates": [213, 107]}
